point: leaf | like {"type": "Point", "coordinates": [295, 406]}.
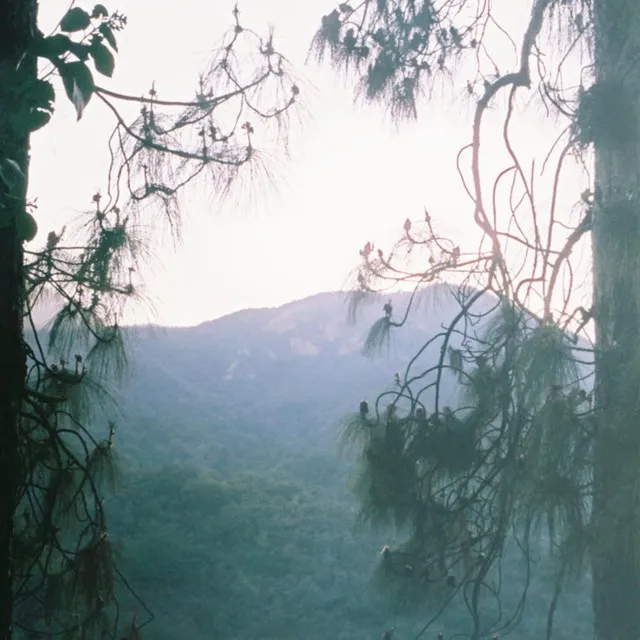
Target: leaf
{"type": "Point", "coordinates": [102, 58]}
{"type": "Point", "coordinates": [39, 119]}
{"type": "Point", "coordinates": [26, 227]}
{"type": "Point", "coordinates": [30, 119]}
{"type": "Point", "coordinates": [100, 11]}
{"type": "Point", "coordinates": [107, 34]}
{"type": "Point", "coordinates": [35, 107]}
{"type": "Point", "coordinates": [44, 95]}
{"type": "Point", "coordinates": [76, 19]}
{"type": "Point", "coordinates": [80, 50]}
{"type": "Point", "coordinates": [78, 84]}
{"type": "Point", "coordinates": [53, 46]}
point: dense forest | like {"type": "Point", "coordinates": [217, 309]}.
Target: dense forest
{"type": "Point", "coordinates": [504, 446]}
{"type": "Point", "coordinates": [234, 517]}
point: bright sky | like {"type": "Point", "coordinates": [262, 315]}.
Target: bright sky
{"type": "Point", "coordinates": [351, 176]}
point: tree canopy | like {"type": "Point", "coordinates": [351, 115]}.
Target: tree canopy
{"type": "Point", "coordinates": [59, 574]}
{"type": "Point", "coordinates": [535, 435]}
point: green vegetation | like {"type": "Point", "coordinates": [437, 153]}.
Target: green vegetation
{"type": "Point", "coordinates": [58, 575]}
{"type": "Point", "coordinates": [545, 432]}
{"type": "Point", "coordinates": [233, 513]}
{"type": "Point", "coordinates": [236, 527]}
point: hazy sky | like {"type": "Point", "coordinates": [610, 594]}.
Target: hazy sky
{"type": "Point", "coordinates": [351, 176]}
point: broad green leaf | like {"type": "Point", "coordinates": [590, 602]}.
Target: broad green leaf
{"type": "Point", "coordinates": [42, 95]}
{"type": "Point", "coordinates": [53, 46]}
{"type": "Point", "coordinates": [80, 50]}
{"type": "Point", "coordinates": [27, 227]}
{"type": "Point", "coordinates": [78, 84]}
{"type": "Point", "coordinates": [30, 119]}
{"type": "Point", "coordinates": [102, 58]}
{"type": "Point", "coordinates": [39, 119]}
{"type": "Point", "coordinates": [100, 11]}
{"type": "Point", "coordinates": [33, 111]}
{"type": "Point", "coordinates": [107, 34]}
{"type": "Point", "coordinates": [76, 19]}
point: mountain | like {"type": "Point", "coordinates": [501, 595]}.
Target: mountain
{"type": "Point", "coordinates": [291, 373]}
{"type": "Point", "coordinates": [234, 517]}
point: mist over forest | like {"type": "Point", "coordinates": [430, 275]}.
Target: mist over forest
{"type": "Point", "coordinates": [450, 451]}
{"type": "Point", "coordinates": [234, 516]}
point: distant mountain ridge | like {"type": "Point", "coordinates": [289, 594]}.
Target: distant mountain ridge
{"type": "Point", "coordinates": [321, 347]}
{"type": "Point", "coordinates": [289, 373]}
{"type": "Point", "coordinates": [315, 326]}
{"type": "Point", "coordinates": [233, 482]}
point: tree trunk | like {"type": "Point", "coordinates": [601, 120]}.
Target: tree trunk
{"type": "Point", "coordinates": [17, 28]}
{"type": "Point", "coordinates": [616, 244]}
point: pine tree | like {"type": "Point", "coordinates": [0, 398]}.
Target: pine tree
{"type": "Point", "coordinates": [544, 425]}
{"type": "Point", "coordinates": [57, 435]}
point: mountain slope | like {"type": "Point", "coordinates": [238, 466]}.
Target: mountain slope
{"type": "Point", "coordinates": [234, 515]}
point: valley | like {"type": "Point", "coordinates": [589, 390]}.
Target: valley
{"type": "Point", "coordinates": [234, 517]}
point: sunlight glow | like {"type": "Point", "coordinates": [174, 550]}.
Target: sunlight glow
{"type": "Point", "coordinates": [351, 177]}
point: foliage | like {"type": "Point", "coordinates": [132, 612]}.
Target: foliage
{"type": "Point", "coordinates": [65, 577]}
{"type": "Point", "coordinates": [238, 503]}
{"type": "Point", "coordinates": [393, 46]}
{"type": "Point", "coordinates": [514, 448]}
{"type": "Point", "coordinates": [231, 502]}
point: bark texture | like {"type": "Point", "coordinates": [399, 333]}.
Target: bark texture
{"type": "Point", "coordinates": [17, 28]}
{"type": "Point", "coordinates": [616, 241]}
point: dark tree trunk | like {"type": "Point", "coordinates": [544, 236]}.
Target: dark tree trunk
{"type": "Point", "coordinates": [616, 240]}
{"type": "Point", "coordinates": [17, 28]}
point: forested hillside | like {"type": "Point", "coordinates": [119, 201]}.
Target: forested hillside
{"type": "Point", "coordinates": [233, 513]}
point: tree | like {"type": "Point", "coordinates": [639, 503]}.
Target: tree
{"type": "Point", "coordinates": [57, 456]}
{"type": "Point", "coordinates": [545, 421]}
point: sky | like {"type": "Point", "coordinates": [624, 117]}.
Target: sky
{"type": "Point", "coordinates": [351, 176]}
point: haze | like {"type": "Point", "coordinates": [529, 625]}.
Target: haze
{"type": "Point", "coordinates": [350, 177]}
